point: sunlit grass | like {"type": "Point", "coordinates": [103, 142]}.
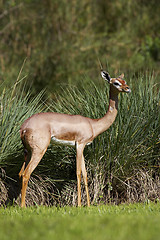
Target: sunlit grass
{"type": "Point", "coordinates": [122, 163]}
{"type": "Point", "coordinates": [137, 221]}
{"type": "Point", "coordinates": [130, 144]}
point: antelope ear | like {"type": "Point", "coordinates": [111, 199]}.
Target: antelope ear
{"type": "Point", "coordinates": [121, 76]}
{"type": "Point", "coordinates": [106, 76]}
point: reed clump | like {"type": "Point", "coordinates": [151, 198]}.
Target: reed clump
{"type": "Point", "coordinates": [122, 163]}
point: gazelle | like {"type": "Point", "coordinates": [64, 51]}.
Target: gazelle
{"type": "Point", "coordinates": [38, 130]}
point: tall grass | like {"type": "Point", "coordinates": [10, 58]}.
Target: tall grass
{"type": "Point", "coordinates": [122, 163]}
{"type": "Point", "coordinates": [15, 108]}
{"type": "Point", "coordinates": [131, 145]}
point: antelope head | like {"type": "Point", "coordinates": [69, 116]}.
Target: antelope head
{"type": "Point", "coordinates": [118, 83]}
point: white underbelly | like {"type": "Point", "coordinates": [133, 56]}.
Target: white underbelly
{"type": "Point", "coordinates": [57, 141]}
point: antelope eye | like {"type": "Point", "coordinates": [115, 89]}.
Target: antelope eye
{"type": "Point", "coordinates": [116, 84]}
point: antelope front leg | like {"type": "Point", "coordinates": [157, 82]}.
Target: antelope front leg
{"type": "Point", "coordinates": [79, 180]}
{"type": "Point", "coordinates": [79, 189]}
{"type": "Point", "coordinates": [79, 170]}
{"type": "Point", "coordinates": [84, 173]}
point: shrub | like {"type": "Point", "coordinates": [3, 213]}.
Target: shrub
{"type": "Point", "coordinates": [122, 163]}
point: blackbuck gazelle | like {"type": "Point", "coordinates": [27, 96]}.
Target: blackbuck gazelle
{"type": "Point", "coordinates": [38, 130]}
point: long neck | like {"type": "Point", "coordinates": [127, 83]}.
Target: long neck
{"type": "Point", "coordinates": [102, 124]}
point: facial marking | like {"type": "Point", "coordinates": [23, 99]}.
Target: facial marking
{"type": "Point", "coordinates": [117, 83]}
{"type": "Point", "coordinates": [123, 81]}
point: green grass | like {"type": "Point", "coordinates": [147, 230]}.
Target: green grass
{"type": "Point", "coordinates": [122, 163]}
{"type": "Point", "coordinates": [16, 106]}
{"type": "Point", "coordinates": [123, 222]}
{"type": "Point", "coordinates": [123, 158]}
